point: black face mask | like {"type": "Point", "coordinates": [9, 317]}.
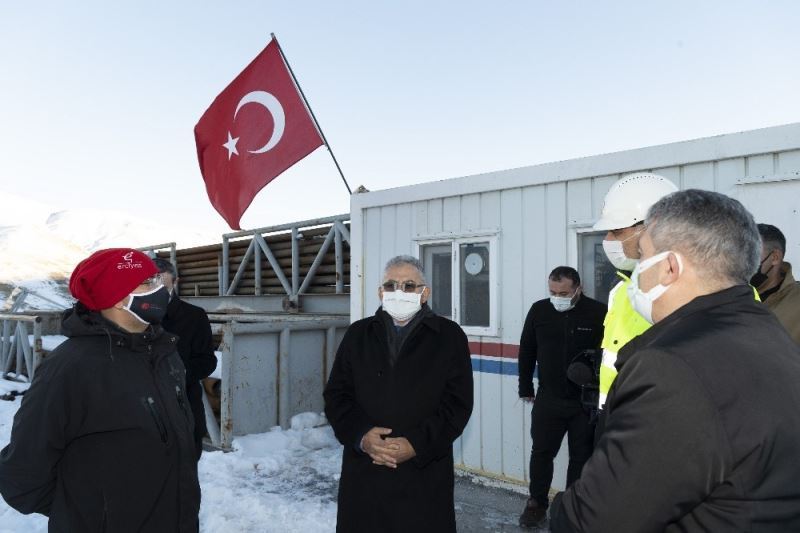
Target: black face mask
{"type": "Point", "coordinates": [149, 307]}
{"type": "Point", "coordinates": [760, 277]}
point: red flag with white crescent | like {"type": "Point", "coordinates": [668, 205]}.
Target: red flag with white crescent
{"type": "Point", "coordinates": [253, 131]}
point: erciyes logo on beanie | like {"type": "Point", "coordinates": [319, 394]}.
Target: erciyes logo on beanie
{"type": "Point", "coordinates": [107, 276]}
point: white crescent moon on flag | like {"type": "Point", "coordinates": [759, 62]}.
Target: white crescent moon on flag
{"type": "Point", "coordinates": [275, 108]}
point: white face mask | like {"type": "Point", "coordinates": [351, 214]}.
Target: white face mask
{"type": "Point", "coordinates": [563, 303]}
{"type": "Point", "coordinates": [400, 305]}
{"type": "Point", "coordinates": [616, 254]}
{"type": "Point", "coordinates": [642, 302]}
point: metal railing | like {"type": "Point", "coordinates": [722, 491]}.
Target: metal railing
{"type": "Point", "coordinates": [171, 246]}
{"type": "Point", "coordinates": [16, 352]}
{"type": "Point", "coordinates": [259, 247]}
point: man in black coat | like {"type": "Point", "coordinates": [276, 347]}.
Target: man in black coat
{"type": "Point", "coordinates": [103, 438]}
{"type": "Point", "coordinates": [400, 392]}
{"type": "Point", "coordinates": [703, 425]}
{"type": "Point", "coordinates": [555, 331]}
{"type": "Point", "coordinates": [195, 345]}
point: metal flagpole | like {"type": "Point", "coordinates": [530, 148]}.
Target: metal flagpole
{"type": "Point", "coordinates": [311, 112]}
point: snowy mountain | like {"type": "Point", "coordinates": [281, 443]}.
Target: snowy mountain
{"type": "Point", "coordinates": [41, 244]}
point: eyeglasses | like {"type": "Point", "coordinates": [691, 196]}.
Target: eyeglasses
{"type": "Point", "coordinates": [405, 286]}
{"type": "Point", "coordinates": [153, 281]}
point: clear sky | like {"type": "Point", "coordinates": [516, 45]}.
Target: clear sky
{"type": "Point", "coordinates": [98, 99]}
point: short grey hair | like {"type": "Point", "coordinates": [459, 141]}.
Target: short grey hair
{"type": "Point", "coordinates": [401, 260]}
{"type": "Point", "coordinates": [714, 231]}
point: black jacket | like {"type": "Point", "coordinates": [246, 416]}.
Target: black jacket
{"type": "Point", "coordinates": [196, 348]}
{"type": "Point", "coordinates": [426, 397]}
{"type": "Point", "coordinates": [551, 339]}
{"type": "Point", "coordinates": [103, 438]}
{"type": "Point", "coordinates": [703, 428]}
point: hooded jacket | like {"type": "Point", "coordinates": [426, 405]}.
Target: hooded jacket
{"type": "Point", "coordinates": [103, 438]}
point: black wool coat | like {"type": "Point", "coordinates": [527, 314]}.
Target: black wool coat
{"type": "Point", "coordinates": [196, 348]}
{"type": "Point", "coordinates": [703, 428]}
{"type": "Point", "coordinates": [426, 397]}
{"type": "Point", "coordinates": [103, 438]}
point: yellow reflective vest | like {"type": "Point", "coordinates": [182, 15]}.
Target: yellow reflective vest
{"type": "Point", "coordinates": [621, 325]}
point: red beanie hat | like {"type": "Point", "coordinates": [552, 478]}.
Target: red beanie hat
{"type": "Point", "coordinates": [107, 276]}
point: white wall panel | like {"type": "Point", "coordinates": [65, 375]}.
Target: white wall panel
{"type": "Point", "coordinates": [579, 201]}
{"type": "Point", "coordinates": [490, 210]}
{"type": "Point", "coordinates": [698, 176]}
{"type": "Point", "coordinates": [556, 225]}
{"type": "Point", "coordinates": [372, 262]}
{"type": "Point", "coordinates": [435, 216]}
{"type": "Point", "coordinates": [729, 171]}
{"type": "Point", "coordinates": [471, 212]}
{"type": "Point", "coordinates": [760, 165]}
{"type": "Point", "coordinates": [491, 422]}
{"type": "Point", "coordinates": [789, 162]}
{"type": "Point", "coordinates": [451, 214]}
{"type": "Point", "coordinates": [404, 230]}
{"type": "Point", "coordinates": [420, 218]}
{"type": "Point", "coordinates": [534, 241]}
{"type": "Point", "coordinates": [471, 438]}
{"type": "Point", "coordinates": [513, 315]}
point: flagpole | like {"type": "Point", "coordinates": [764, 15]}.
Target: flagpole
{"type": "Point", "coordinates": [311, 112]}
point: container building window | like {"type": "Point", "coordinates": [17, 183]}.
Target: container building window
{"type": "Point", "coordinates": [461, 274]}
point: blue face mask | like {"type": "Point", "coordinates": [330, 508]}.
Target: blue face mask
{"type": "Point", "coordinates": [149, 307]}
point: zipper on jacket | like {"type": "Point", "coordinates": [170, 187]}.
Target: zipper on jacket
{"type": "Point", "coordinates": [181, 403]}
{"type": "Point", "coordinates": [162, 429]}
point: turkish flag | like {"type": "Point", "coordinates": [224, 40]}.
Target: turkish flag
{"type": "Point", "coordinates": [252, 132]}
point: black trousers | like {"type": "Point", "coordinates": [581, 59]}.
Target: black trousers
{"type": "Point", "coordinates": [551, 418]}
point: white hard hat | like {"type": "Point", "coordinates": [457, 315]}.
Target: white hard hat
{"type": "Point", "coordinates": [627, 201]}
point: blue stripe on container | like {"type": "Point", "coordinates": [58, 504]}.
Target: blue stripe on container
{"type": "Point", "coordinates": [489, 366]}
{"type": "Point", "coordinates": [502, 367]}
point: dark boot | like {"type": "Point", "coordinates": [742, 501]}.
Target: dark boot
{"type": "Point", "coordinates": [534, 514]}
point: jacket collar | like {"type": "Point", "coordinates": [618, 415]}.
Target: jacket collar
{"type": "Point", "coordinates": [79, 321]}
{"type": "Point", "coordinates": [737, 293]}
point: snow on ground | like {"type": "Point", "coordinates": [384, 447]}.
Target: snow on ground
{"type": "Point", "coordinates": [279, 481]}
{"type": "Point", "coordinates": [49, 342]}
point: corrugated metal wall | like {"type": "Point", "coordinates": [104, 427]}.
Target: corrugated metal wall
{"type": "Point", "coordinates": [538, 226]}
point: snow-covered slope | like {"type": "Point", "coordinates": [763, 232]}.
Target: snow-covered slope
{"type": "Point", "coordinates": [41, 244]}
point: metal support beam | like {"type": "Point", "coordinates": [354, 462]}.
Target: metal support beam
{"type": "Point", "coordinates": [343, 230]}
{"type": "Point", "coordinates": [273, 262]}
{"type": "Point", "coordinates": [242, 267]}
{"type": "Point", "coordinates": [317, 260]}
{"type": "Point", "coordinates": [226, 400]}
{"type": "Point", "coordinates": [257, 265]}
{"type": "Point", "coordinates": [225, 266]}
{"type": "Point", "coordinates": [283, 378]}
{"type": "Point", "coordinates": [339, 252]}
{"type": "Point", "coordinates": [295, 265]}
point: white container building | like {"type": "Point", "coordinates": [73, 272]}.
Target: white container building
{"type": "Point", "coordinates": [489, 241]}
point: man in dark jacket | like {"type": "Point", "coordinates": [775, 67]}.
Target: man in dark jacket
{"type": "Point", "coordinates": [400, 392]}
{"type": "Point", "coordinates": [195, 345]}
{"type": "Point", "coordinates": [703, 420]}
{"type": "Point", "coordinates": [103, 438]}
{"type": "Point", "coordinates": [556, 330]}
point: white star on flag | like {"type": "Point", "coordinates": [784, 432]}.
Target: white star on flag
{"type": "Point", "coordinates": [231, 146]}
